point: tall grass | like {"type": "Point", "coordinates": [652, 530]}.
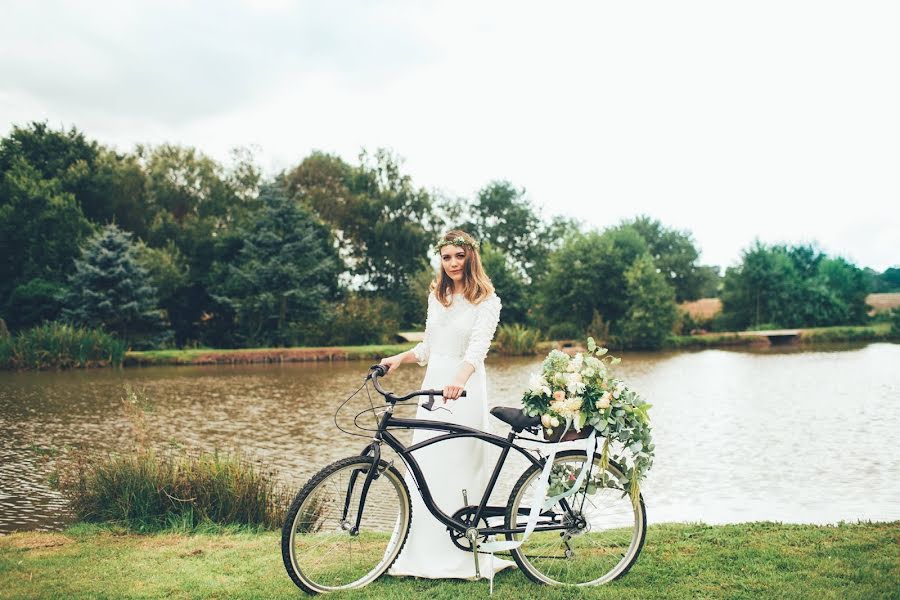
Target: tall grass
{"type": "Point", "coordinates": [145, 490]}
{"type": "Point", "coordinates": [517, 340]}
{"type": "Point", "coordinates": [57, 345]}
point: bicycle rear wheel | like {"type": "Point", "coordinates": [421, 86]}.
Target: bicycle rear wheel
{"type": "Point", "coordinates": [320, 552]}
{"type": "Point", "coordinates": [604, 531]}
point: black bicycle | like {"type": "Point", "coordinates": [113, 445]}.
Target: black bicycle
{"type": "Point", "coordinates": [349, 523]}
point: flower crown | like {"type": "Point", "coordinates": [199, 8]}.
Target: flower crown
{"type": "Point", "coordinates": [457, 241]}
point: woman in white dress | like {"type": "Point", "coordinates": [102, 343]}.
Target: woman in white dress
{"type": "Point", "coordinates": [463, 312]}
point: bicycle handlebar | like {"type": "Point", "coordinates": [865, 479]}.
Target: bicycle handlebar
{"type": "Point", "coordinates": [379, 370]}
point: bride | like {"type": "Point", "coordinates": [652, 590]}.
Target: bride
{"type": "Point", "coordinates": [463, 312]}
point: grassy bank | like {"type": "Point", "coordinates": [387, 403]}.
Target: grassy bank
{"type": "Point", "coordinates": [878, 332]}
{"type": "Point", "coordinates": [754, 560]}
{"type": "Point", "coordinates": [262, 355]}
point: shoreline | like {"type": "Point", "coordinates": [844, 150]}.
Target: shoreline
{"type": "Point", "coordinates": [879, 332]}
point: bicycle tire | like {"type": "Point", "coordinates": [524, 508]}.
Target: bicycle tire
{"type": "Point", "coordinates": [301, 570]}
{"type": "Point", "coordinates": [528, 566]}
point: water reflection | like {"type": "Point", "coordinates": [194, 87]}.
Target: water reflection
{"type": "Point", "coordinates": [790, 434]}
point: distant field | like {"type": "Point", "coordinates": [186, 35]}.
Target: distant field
{"type": "Point", "coordinates": [706, 308]}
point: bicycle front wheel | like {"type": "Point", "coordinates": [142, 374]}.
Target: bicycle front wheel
{"type": "Point", "coordinates": [321, 551]}
{"type": "Point", "coordinates": [602, 534]}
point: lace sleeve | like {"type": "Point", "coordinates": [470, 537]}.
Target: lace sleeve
{"type": "Point", "coordinates": [423, 349]}
{"type": "Point", "coordinates": [483, 331]}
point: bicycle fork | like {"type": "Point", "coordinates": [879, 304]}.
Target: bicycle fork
{"type": "Point", "coordinates": [375, 449]}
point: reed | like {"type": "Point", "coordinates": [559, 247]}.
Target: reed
{"type": "Point", "coordinates": [145, 490]}
{"type": "Point", "coordinates": [56, 345]}
{"type": "Point", "coordinates": [517, 340]}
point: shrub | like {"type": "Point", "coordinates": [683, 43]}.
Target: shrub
{"type": "Point", "coordinates": [517, 340]}
{"type": "Point", "coordinates": [60, 345]}
{"type": "Point", "coordinates": [357, 320]}
{"type": "Point", "coordinates": [565, 331]}
{"type": "Point", "coordinates": [895, 322]}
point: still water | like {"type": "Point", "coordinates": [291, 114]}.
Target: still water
{"type": "Point", "coordinates": [791, 435]}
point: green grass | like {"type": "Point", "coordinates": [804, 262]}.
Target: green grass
{"type": "Point", "coordinates": [60, 346]}
{"type": "Point", "coordinates": [753, 560]}
{"type": "Point", "coordinates": [818, 335]}
{"type": "Point", "coordinates": [190, 356]}
{"type": "Point", "coordinates": [867, 333]}
{"type": "Point", "coordinates": [146, 490]}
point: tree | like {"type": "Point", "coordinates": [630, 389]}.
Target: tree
{"type": "Point", "coordinates": [283, 272]}
{"type": "Point", "coordinates": [587, 274]}
{"type": "Point", "coordinates": [792, 286]}
{"type": "Point", "coordinates": [197, 206]}
{"type": "Point", "coordinates": [385, 224]}
{"type": "Point", "coordinates": [504, 217]}
{"type": "Point", "coordinates": [41, 227]}
{"type": "Point", "coordinates": [674, 254]}
{"type": "Point", "coordinates": [508, 284]}
{"type": "Point", "coordinates": [109, 289]}
{"type": "Point", "coordinates": [107, 186]}
{"type": "Point", "coordinates": [651, 312]}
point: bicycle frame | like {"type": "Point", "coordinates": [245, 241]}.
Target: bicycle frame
{"type": "Point", "coordinates": [453, 431]}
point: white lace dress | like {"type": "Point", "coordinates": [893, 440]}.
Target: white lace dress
{"type": "Point", "coordinates": [461, 332]}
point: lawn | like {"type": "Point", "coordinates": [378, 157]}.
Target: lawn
{"type": "Point", "coordinates": [752, 560]}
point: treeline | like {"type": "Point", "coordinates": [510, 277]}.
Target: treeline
{"type": "Point", "coordinates": [165, 247]}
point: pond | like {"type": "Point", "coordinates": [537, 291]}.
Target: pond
{"type": "Point", "coordinates": [786, 434]}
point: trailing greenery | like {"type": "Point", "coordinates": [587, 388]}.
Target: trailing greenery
{"type": "Point", "coordinates": [679, 562]}
{"type": "Point", "coordinates": [144, 490]}
{"type": "Point", "coordinates": [60, 346]}
{"type": "Point", "coordinates": [516, 340]}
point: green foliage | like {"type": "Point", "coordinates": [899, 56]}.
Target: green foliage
{"type": "Point", "coordinates": [106, 186]}
{"type": "Point", "coordinates": [508, 284]}
{"type": "Point", "coordinates": [34, 302]}
{"type": "Point", "coordinates": [111, 290]}
{"type": "Point", "coordinates": [354, 321]}
{"type": "Point", "coordinates": [384, 224]}
{"type": "Point", "coordinates": [516, 339]}
{"type": "Point", "coordinates": [792, 286]}
{"type": "Point", "coordinates": [285, 269]}
{"type": "Point", "coordinates": [588, 273]}
{"type": "Point", "coordinates": [651, 310]}
{"type": "Point", "coordinates": [41, 227]}
{"type": "Point", "coordinates": [57, 345]}
{"type": "Point", "coordinates": [895, 322]}
{"type": "Point", "coordinates": [565, 330]}
{"type": "Point", "coordinates": [145, 491]}
{"type": "Point", "coordinates": [675, 255]}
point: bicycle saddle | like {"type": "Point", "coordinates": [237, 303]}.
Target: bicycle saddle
{"type": "Point", "coordinates": [515, 418]}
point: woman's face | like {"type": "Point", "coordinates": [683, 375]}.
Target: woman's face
{"type": "Point", "coordinates": [453, 261]}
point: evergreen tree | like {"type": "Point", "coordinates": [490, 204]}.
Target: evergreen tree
{"type": "Point", "coordinates": [285, 269]}
{"type": "Point", "coordinates": [110, 289]}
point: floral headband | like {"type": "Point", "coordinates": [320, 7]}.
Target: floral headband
{"type": "Point", "coordinates": [457, 241]}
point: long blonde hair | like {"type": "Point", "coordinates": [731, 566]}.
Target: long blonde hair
{"type": "Point", "coordinates": [476, 284]}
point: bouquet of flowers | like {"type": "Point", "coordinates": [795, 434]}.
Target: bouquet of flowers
{"type": "Point", "coordinates": [574, 394]}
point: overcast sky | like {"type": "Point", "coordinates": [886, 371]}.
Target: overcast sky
{"type": "Point", "coordinates": [777, 120]}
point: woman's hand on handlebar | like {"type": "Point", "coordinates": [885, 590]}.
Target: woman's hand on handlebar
{"type": "Point", "coordinates": [453, 391]}
{"type": "Point", "coordinates": [392, 362]}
